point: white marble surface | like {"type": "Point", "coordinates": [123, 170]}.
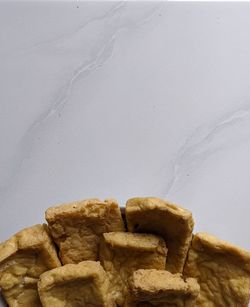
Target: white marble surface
{"type": "Point", "coordinates": [126, 99]}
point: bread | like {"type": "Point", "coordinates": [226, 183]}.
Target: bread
{"type": "Point", "coordinates": [23, 258]}
{"type": "Point", "coordinates": [76, 227]}
{"type": "Point", "coordinates": [161, 288]}
{"type": "Point", "coordinates": [158, 262]}
{"type": "Point", "coordinates": [122, 253]}
{"type": "Point", "coordinates": [222, 270]}
{"type": "Point", "coordinates": [82, 284]}
{"type": "Point", "coordinates": [173, 223]}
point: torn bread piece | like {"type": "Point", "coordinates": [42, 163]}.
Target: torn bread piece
{"type": "Point", "coordinates": [23, 258]}
{"type": "Point", "coordinates": [222, 270]}
{"type": "Point", "coordinates": [173, 223]}
{"type": "Point", "coordinates": [76, 227]}
{"type": "Point", "coordinates": [122, 253]}
{"type": "Point", "coordinates": [82, 284]}
{"type": "Point", "coordinates": [161, 288]}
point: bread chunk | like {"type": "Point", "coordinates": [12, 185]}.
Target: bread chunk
{"type": "Point", "coordinates": [23, 258]}
{"type": "Point", "coordinates": [161, 288]}
{"type": "Point", "coordinates": [222, 270]}
{"type": "Point", "coordinates": [76, 227]}
{"type": "Point", "coordinates": [122, 253]}
{"type": "Point", "coordinates": [172, 222]}
{"type": "Point", "coordinates": [82, 284]}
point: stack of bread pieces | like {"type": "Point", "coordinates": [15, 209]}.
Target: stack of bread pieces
{"type": "Point", "coordinates": [92, 254]}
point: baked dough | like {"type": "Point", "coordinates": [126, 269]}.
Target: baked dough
{"type": "Point", "coordinates": [172, 222]}
{"type": "Point", "coordinates": [23, 258]}
{"type": "Point", "coordinates": [222, 270]}
{"type": "Point", "coordinates": [161, 288]}
{"type": "Point", "coordinates": [76, 227]}
{"type": "Point", "coordinates": [122, 253]}
{"type": "Point", "coordinates": [72, 285]}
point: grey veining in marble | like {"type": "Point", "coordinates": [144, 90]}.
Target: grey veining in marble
{"type": "Point", "coordinates": [122, 99]}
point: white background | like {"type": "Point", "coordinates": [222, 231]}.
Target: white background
{"type": "Point", "coordinates": [126, 99]}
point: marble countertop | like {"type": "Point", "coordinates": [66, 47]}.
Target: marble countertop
{"type": "Point", "coordinates": [116, 99]}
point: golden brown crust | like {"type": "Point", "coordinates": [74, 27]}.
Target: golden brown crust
{"type": "Point", "coordinates": [141, 242]}
{"type": "Point", "coordinates": [123, 253]}
{"type": "Point", "coordinates": [74, 209]}
{"type": "Point", "coordinates": [76, 227]}
{"type": "Point", "coordinates": [34, 238]}
{"type": "Point", "coordinates": [161, 288]}
{"type": "Point", "coordinates": [23, 258]}
{"type": "Point", "coordinates": [204, 241]}
{"type": "Point", "coordinates": [173, 223]}
{"type": "Point", "coordinates": [85, 283]}
{"type": "Point", "coordinates": [222, 270]}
